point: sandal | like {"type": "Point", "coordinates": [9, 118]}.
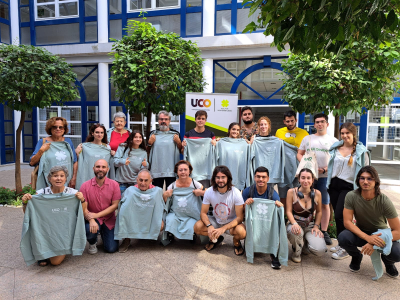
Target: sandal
{"type": "Point", "coordinates": [238, 248]}
{"type": "Point", "coordinates": [219, 241]}
{"type": "Point", "coordinates": [43, 262]}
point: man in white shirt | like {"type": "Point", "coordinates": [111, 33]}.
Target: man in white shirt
{"type": "Point", "coordinates": [320, 144]}
{"type": "Point", "coordinates": [228, 212]}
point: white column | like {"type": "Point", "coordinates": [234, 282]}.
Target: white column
{"type": "Point", "coordinates": [104, 92]}
{"type": "Point", "coordinates": [208, 75]}
{"type": "Point", "coordinates": [331, 127]}
{"type": "Point", "coordinates": [208, 17]}
{"type": "Point", "coordinates": [102, 22]}
{"type": "Point", "coordinates": [14, 22]}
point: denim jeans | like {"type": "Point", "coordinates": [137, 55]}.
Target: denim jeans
{"type": "Point", "coordinates": [320, 185]}
{"type": "Point", "coordinates": [349, 242]}
{"type": "Point", "coordinates": [107, 235]}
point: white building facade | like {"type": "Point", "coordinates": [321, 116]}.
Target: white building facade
{"type": "Point", "coordinates": [81, 32]}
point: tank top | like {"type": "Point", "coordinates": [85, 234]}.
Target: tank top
{"type": "Point", "coordinates": [299, 210]}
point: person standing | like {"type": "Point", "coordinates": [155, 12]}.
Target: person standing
{"type": "Point", "coordinates": [320, 143]}
{"type": "Point", "coordinates": [249, 128]}
{"type": "Point", "coordinates": [372, 211]}
{"type": "Point", "coordinates": [348, 156]}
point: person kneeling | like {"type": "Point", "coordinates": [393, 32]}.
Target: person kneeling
{"type": "Point", "coordinates": [300, 205]}
{"type": "Point", "coordinates": [228, 212]}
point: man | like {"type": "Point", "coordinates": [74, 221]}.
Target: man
{"type": "Point", "coordinates": [263, 191]}
{"type": "Point", "coordinates": [102, 196]}
{"type": "Point", "coordinates": [200, 132]}
{"type": "Point", "coordinates": [372, 211]}
{"type": "Point", "coordinates": [228, 212]}
{"type": "Point", "coordinates": [320, 145]}
{"type": "Point", "coordinates": [249, 127]}
{"type": "Point", "coordinates": [292, 135]}
{"type": "Point", "coordinates": [164, 146]}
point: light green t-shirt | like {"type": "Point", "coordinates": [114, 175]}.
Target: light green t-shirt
{"type": "Point", "coordinates": [370, 215]}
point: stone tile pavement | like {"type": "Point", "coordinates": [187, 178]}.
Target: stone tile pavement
{"type": "Point", "coordinates": [180, 271]}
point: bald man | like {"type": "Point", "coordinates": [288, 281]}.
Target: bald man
{"type": "Point", "coordinates": [102, 196]}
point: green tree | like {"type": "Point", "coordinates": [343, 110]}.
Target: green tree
{"type": "Point", "coordinates": [32, 77]}
{"type": "Point", "coordinates": [311, 26]}
{"type": "Point", "coordinates": [362, 76]}
{"type": "Point", "coordinates": [153, 70]}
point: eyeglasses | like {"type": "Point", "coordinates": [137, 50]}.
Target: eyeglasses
{"type": "Point", "coordinates": [369, 179]}
{"type": "Point", "coordinates": [320, 122]}
{"type": "Point", "coordinates": [57, 127]}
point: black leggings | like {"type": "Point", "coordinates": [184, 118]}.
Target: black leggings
{"type": "Point", "coordinates": [338, 190]}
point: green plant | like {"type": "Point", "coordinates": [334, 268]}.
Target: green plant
{"type": "Point", "coordinates": [11, 197]}
{"type": "Point", "coordinates": [6, 195]}
{"type": "Point", "coordinates": [332, 229]}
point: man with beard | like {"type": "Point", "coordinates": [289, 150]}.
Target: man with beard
{"type": "Point", "coordinates": [162, 159]}
{"type": "Point", "coordinates": [249, 128]}
{"type": "Point", "coordinates": [102, 196]}
{"type": "Point", "coordinates": [228, 212]}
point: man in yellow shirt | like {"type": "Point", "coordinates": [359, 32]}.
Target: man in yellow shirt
{"type": "Point", "coordinates": [292, 135]}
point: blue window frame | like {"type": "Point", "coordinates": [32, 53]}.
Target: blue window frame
{"type": "Point", "coordinates": [5, 27]}
{"type": "Point", "coordinates": [186, 20]}
{"type": "Point", "coordinates": [69, 30]}
{"type": "Point", "coordinates": [7, 135]}
{"type": "Point", "coordinates": [231, 17]}
{"type": "Point", "coordinates": [29, 134]}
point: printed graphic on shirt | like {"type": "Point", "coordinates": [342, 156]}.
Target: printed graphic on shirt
{"type": "Point", "coordinates": [145, 197]}
{"type": "Point", "coordinates": [222, 211]}
{"type": "Point", "coordinates": [182, 202]}
{"type": "Point", "coordinates": [60, 155]}
{"type": "Point", "coordinates": [262, 212]}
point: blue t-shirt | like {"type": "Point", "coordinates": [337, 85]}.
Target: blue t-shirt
{"type": "Point", "coordinates": [246, 193]}
{"type": "Point", "coordinates": [40, 143]}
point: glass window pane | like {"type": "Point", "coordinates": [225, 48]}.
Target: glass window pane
{"type": "Point", "coordinates": [28, 116]}
{"type": "Point", "coordinates": [8, 128]}
{"type": "Point", "coordinates": [71, 113]}
{"type": "Point", "coordinates": [24, 2]}
{"type": "Point", "coordinates": [9, 141]}
{"type": "Point", "coordinates": [224, 1]}
{"type": "Point", "coordinates": [68, 9]}
{"type": "Point", "coordinates": [27, 154]}
{"type": "Point", "coordinates": [46, 11]}
{"type": "Point", "coordinates": [76, 141]}
{"type": "Point", "coordinates": [74, 129]}
{"type": "Point", "coordinates": [115, 7]}
{"type": "Point", "coordinates": [9, 155]}
{"type": "Point", "coordinates": [116, 29]}
{"type": "Point", "coordinates": [139, 4]}
{"type": "Point", "coordinates": [223, 22]}
{"type": "Point", "coordinates": [47, 113]}
{"type": "Point", "coordinates": [8, 113]}
{"type": "Point", "coordinates": [24, 14]}
{"type": "Point", "coordinates": [243, 18]}
{"type": "Point", "coordinates": [193, 24]}
{"type": "Point", "coordinates": [166, 3]}
{"type": "Point", "coordinates": [57, 34]}
{"type": "Point", "coordinates": [42, 128]}
{"type": "Point", "coordinates": [28, 128]}
{"type": "Point", "coordinates": [170, 23]}
{"type": "Point", "coordinates": [353, 117]}
{"type": "Point", "coordinates": [191, 3]}
{"type": "Point", "coordinates": [28, 142]}
{"type": "Point", "coordinates": [92, 113]}
{"type": "Point", "coordinates": [4, 11]}
{"type": "Point", "coordinates": [5, 33]}
{"type": "Point", "coordinates": [387, 114]}
{"type": "Point", "coordinates": [90, 8]}
{"type": "Point", "coordinates": [91, 31]}
{"type": "Point", "coordinates": [90, 84]}
{"type": "Point", "coordinates": [25, 36]}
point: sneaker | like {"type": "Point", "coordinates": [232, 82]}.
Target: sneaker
{"type": "Point", "coordinates": [327, 238]}
{"type": "Point", "coordinates": [92, 249]}
{"type": "Point", "coordinates": [340, 254]}
{"type": "Point", "coordinates": [355, 263]}
{"type": "Point", "coordinates": [275, 264]}
{"type": "Point", "coordinates": [335, 249]}
{"type": "Point", "coordinates": [124, 245]}
{"type": "Point", "coordinates": [391, 270]}
{"type": "Point", "coordinates": [296, 258]}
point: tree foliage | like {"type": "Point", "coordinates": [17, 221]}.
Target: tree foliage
{"type": "Point", "coordinates": [311, 26]}
{"type": "Point", "coordinates": [362, 76]}
{"type": "Point", "coordinates": [153, 70]}
{"type": "Point", "coordinates": [32, 77]}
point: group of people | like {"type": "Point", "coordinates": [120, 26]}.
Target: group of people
{"type": "Point", "coordinates": [224, 176]}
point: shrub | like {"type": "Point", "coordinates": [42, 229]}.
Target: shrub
{"type": "Point", "coordinates": [10, 197]}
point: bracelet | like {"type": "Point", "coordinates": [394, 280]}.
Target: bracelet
{"type": "Point", "coordinates": [295, 223]}
{"type": "Point", "coordinates": [319, 226]}
{"type": "Point", "coordinates": [84, 200]}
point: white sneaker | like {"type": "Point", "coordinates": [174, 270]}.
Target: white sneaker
{"type": "Point", "coordinates": [335, 249]}
{"type": "Point", "coordinates": [92, 249]}
{"type": "Point", "coordinates": [340, 254]}
{"type": "Point", "coordinates": [296, 258]}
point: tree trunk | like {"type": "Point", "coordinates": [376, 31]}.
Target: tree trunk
{"type": "Point", "coordinates": [18, 183]}
{"type": "Point", "coordinates": [148, 123]}
{"type": "Point", "coordinates": [337, 126]}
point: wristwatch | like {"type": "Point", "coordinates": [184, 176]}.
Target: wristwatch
{"type": "Point", "coordinates": [208, 225]}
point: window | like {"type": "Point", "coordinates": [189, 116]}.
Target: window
{"type": "Point", "coordinates": [51, 9]}
{"type": "Point", "coordinates": [152, 4]}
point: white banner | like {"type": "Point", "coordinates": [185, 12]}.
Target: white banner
{"type": "Point", "coordinates": [221, 110]}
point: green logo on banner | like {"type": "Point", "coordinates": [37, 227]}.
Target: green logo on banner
{"type": "Point", "coordinates": [224, 103]}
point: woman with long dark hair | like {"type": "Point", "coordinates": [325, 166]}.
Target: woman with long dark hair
{"type": "Point", "coordinates": [348, 156]}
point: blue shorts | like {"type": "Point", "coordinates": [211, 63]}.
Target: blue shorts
{"type": "Point", "coordinates": [320, 185]}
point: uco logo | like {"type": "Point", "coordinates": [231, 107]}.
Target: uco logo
{"type": "Point", "coordinates": [308, 158]}
{"type": "Point", "coordinates": [201, 102]}
{"type": "Point", "coordinates": [55, 210]}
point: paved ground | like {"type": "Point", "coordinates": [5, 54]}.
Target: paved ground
{"type": "Point", "coordinates": [180, 271]}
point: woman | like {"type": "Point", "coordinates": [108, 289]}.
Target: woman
{"type": "Point", "coordinates": [347, 157]}
{"type": "Point", "coordinates": [55, 150]}
{"type": "Point", "coordinates": [264, 128]}
{"type": "Point", "coordinates": [129, 159]}
{"type": "Point", "coordinates": [57, 178]}
{"type": "Point", "coordinates": [301, 202]}
{"type": "Point", "coordinates": [93, 149]}
{"type": "Point", "coordinates": [233, 152]}
{"type": "Point", "coordinates": [115, 136]}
